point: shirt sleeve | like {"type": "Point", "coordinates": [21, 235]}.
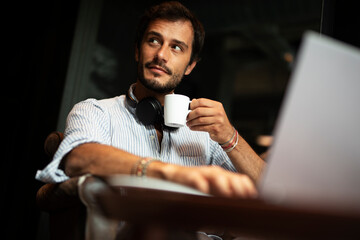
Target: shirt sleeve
{"type": "Point", "coordinates": [87, 122]}
{"type": "Point", "coordinates": [220, 158]}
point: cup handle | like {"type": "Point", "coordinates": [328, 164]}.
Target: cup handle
{"type": "Point", "coordinates": [188, 109]}
{"type": "Point", "coordinates": [189, 105]}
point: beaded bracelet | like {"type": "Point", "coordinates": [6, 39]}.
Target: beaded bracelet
{"type": "Point", "coordinates": [140, 167]}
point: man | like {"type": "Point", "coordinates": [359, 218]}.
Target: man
{"type": "Point", "coordinates": [107, 137]}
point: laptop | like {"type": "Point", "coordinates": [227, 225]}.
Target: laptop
{"type": "Point", "coordinates": [315, 157]}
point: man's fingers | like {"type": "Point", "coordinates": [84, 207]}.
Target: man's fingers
{"type": "Point", "coordinates": [221, 186]}
{"type": "Point", "coordinates": [243, 187]}
{"type": "Point", "coordinates": [228, 184]}
{"type": "Point", "coordinates": [202, 102]}
{"type": "Point", "coordinates": [215, 181]}
{"type": "Point", "coordinates": [191, 177]}
{"type": "Point", "coordinates": [201, 112]}
{"type": "Point", "coordinates": [203, 121]}
{"type": "Point", "coordinates": [233, 185]}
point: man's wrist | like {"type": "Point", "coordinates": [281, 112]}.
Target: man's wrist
{"type": "Point", "coordinates": [140, 167]}
{"type": "Point", "coordinates": [232, 143]}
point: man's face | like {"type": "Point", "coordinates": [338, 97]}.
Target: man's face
{"type": "Point", "coordinates": [164, 55]}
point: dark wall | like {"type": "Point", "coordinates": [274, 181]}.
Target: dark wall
{"type": "Point", "coordinates": [38, 36]}
{"type": "Point", "coordinates": [341, 20]}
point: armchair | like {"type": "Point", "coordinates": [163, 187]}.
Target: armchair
{"type": "Point", "coordinates": [67, 214]}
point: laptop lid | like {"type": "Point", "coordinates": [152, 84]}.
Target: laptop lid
{"type": "Point", "coordinates": [315, 157]}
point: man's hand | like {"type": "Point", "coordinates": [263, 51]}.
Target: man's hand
{"type": "Point", "coordinates": [209, 116]}
{"type": "Point", "coordinates": [208, 179]}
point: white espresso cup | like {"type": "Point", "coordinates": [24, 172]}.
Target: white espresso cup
{"type": "Point", "coordinates": [176, 109]}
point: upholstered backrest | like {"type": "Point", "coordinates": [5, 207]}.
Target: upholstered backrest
{"type": "Point", "coordinates": [52, 143]}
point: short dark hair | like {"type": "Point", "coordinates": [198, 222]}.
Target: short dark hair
{"type": "Point", "coordinates": [173, 11]}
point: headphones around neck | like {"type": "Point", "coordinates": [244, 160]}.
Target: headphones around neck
{"type": "Point", "coordinates": [149, 111]}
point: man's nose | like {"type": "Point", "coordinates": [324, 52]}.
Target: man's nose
{"type": "Point", "coordinates": [163, 53]}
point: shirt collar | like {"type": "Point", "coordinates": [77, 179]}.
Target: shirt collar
{"type": "Point", "coordinates": [130, 93]}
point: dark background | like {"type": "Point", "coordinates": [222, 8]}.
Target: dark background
{"type": "Point", "coordinates": [38, 39]}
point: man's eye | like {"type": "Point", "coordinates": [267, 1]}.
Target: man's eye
{"type": "Point", "coordinates": [153, 40]}
{"type": "Point", "coordinates": [177, 48]}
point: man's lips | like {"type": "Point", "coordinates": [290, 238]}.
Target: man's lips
{"type": "Point", "coordinates": [157, 69]}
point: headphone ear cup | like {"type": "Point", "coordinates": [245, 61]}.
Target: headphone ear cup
{"type": "Point", "coordinates": [149, 111]}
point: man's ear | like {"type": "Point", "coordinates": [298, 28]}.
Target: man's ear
{"type": "Point", "coordinates": [190, 67]}
{"type": "Point", "coordinates": [136, 54]}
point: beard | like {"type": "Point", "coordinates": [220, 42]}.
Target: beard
{"type": "Point", "coordinates": [153, 84]}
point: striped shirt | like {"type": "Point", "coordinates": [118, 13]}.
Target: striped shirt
{"type": "Point", "coordinates": [113, 122]}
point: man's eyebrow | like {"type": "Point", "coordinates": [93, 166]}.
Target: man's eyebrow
{"type": "Point", "coordinates": [181, 43]}
{"type": "Point", "coordinates": [174, 40]}
{"type": "Point", "coordinates": [154, 33]}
